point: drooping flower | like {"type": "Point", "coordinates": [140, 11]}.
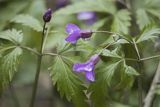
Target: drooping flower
{"type": "Point", "coordinates": [47, 15]}
{"type": "Point", "coordinates": [76, 33]}
{"type": "Point", "coordinates": [87, 67]}
{"type": "Point", "coordinates": [88, 17]}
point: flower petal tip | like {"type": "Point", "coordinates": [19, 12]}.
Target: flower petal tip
{"type": "Point", "coordinates": [90, 76]}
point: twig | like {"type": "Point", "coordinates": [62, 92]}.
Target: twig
{"type": "Point", "coordinates": [114, 33]}
{"type": "Point", "coordinates": [140, 88]}
{"type": "Point", "coordinates": [30, 49]}
{"type": "Point", "coordinates": [151, 93]}
{"type": "Point", "coordinates": [147, 58]}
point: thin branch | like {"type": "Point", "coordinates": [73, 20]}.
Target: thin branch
{"type": "Point", "coordinates": [50, 54]}
{"type": "Point", "coordinates": [30, 50]}
{"type": "Point", "coordinates": [131, 59]}
{"type": "Point", "coordinates": [140, 88]}
{"type": "Point", "coordinates": [151, 93]}
{"type": "Point", "coordinates": [114, 33]}
{"type": "Point", "coordinates": [148, 58]}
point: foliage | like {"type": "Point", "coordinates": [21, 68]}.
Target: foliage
{"type": "Point", "coordinates": [124, 30]}
{"type": "Point", "coordinates": [28, 21]}
{"type": "Point", "coordinates": [68, 83]}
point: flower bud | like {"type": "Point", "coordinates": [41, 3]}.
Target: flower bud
{"type": "Point", "coordinates": [47, 15]}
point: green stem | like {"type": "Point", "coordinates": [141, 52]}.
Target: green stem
{"type": "Point", "coordinates": [121, 37]}
{"type": "Point", "coordinates": [39, 62]}
{"type": "Point", "coordinates": [148, 58]}
{"type": "Point", "coordinates": [140, 84]}
{"type": "Point", "coordinates": [30, 49]}
{"type": "Point", "coordinates": [50, 54]}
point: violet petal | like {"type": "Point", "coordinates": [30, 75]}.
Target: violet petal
{"type": "Point", "coordinates": [72, 38]}
{"type": "Point", "coordinates": [83, 67]}
{"type": "Point", "coordinates": [90, 76]}
{"type": "Point", "coordinates": [70, 28]}
{"type": "Point", "coordinates": [94, 59]}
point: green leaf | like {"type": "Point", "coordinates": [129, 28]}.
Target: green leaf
{"type": "Point", "coordinates": [88, 5]}
{"type": "Point", "coordinates": [12, 35]}
{"type": "Point", "coordinates": [113, 53]}
{"type": "Point", "coordinates": [10, 10]}
{"type": "Point", "coordinates": [3, 49]}
{"type": "Point", "coordinates": [148, 33]}
{"type": "Point", "coordinates": [67, 82]}
{"type": "Point", "coordinates": [98, 24]}
{"type": "Point", "coordinates": [146, 10]}
{"type": "Point", "coordinates": [98, 91]}
{"type": "Point", "coordinates": [126, 76]}
{"type": "Point", "coordinates": [109, 71]}
{"type": "Point", "coordinates": [142, 18]}
{"type": "Point", "coordinates": [130, 70]}
{"type": "Point", "coordinates": [121, 21]}
{"type": "Point", "coordinates": [8, 66]}
{"type": "Point", "coordinates": [99, 88]}
{"type": "Point", "coordinates": [152, 7]}
{"type": "Point", "coordinates": [29, 21]}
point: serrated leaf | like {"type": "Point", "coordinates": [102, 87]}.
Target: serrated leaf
{"type": "Point", "coordinates": [8, 66]}
{"type": "Point", "coordinates": [88, 5]}
{"type": "Point", "coordinates": [152, 7]}
{"type": "Point", "coordinates": [126, 76]}
{"type": "Point", "coordinates": [145, 11]}
{"type": "Point", "coordinates": [130, 70]}
{"type": "Point", "coordinates": [112, 53]}
{"type": "Point", "coordinates": [6, 13]}
{"type": "Point", "coordinates": [3, 49]}
{"type": "Point", "coordinates": [142, 18]}
{"type": "Point", "coordinates": [121, 21]}
{"type": "Point", "coordinates": [67, 82]}
{"type": "Point", "coordinates": [109, 71]}
{"type": "Point", "coordinates": [29, 21]}
{"type": "Point", "coordinates": [98, 89]}
{"type": "Point", "coordinates": [12, 35]}
{"type": "Point", "coordinates": [148, 33]}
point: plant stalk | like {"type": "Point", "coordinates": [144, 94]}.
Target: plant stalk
{"type": "Point", "coordinates": [39, 62]}
{"type": "Point", "coordinates": [140, 83]}
{"type": "Point", "coordinates": [148, 102]}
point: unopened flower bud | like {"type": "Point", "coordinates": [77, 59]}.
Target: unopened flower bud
{"type": "Point", "coordinates": [47, 15]}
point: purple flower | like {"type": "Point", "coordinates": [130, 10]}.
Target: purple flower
{"type": "Point", "coordinates": [88, 17]}
{"type": "Point", "coordinates": [47, 15]}
{"type": "Point", "coordinates": [61, 3]}
{"type": "Point", "coordinates": [87, 67]}
{"type": "Point", "coordinates": [76, 33]}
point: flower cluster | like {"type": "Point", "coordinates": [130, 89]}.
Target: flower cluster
{"type": "Point", "coordinates": [74, 34]}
